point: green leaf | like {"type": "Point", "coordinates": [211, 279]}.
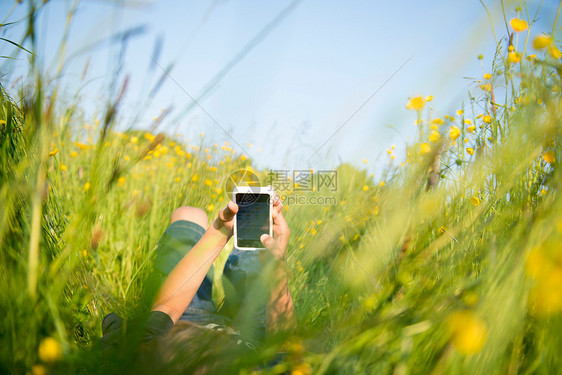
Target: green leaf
{"type": "Point", "coordinates": [17, 45]}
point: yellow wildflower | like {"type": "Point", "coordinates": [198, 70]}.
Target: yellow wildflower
{"type": "Point", "coordinates": [87, 186]}
{"type": "Point", "coordinates": [549, 157]}
{"type": "Point", "coordinates": [514, 57]}
{"type": "Point", "coordinates": [545, 268]}
{"type": "Point", "coordinates": [434, 127]}
{"type": "Point", "coordinates": [518, 25]}
{"type": "Point", "coordinates": [437, 121]}
{"type": "Point", "coordinates": [471, 129]}
{"type": "Point", "coordinates": [470, 150]}
{"type": "Point", "coordinates": [460, 112]}
{"type": "Point", "coordinates": [486, 87]}
{"type": "Point", "coordinates": [425, 149]}
{"type": "Point", "coordinates": [541, 41]}
{"type": "Point", "coordinates": [81, 146]}
{"type": "Point", "coordinates": [195, 178]}
{"type": "Point", "coordinates": [365, 161]}
{"type": "Point", "coordinates": [487, 76]}
{"type": "Point", "coordinates": [434, 136]}
{"type": "Point", "coordinates": [210, 207]}
{"type": "Point", "coordinates": [381, 183]}
{"type": "Point", "coordinates": [554, 51]}
{"type": "Point", "coordinates": [149, 137]}
{"type": "Point", "coordinates": [50, 350]}
{"type": "Point", "coordinates": [545, 297]}
{"type": "Point", "coordinates": [121, 180]}
{"type": "Point", "coordinates": [208, 182]}
{"type": "Point", "coordinates": [38, 370]}
{"type": "Point", "coordinates": [470, 298]}
{"type": "Point", "coordinates": [365, 188]}
{"type": "Point", "coordinates": [454, 133]}
{"type": "Point", "coordinates": [63, 167]}
{"type": "Point", "coordinates": [133, 140]}
{"type": "Point", "coordinates": [475, 201]}
{"type": "Point", "coordinates": [429, 98]}
{"type": "Point", "coordinates": [243, 157]}
{"type": "Point", "coordinates": [487, 119]}
{"type": "Point", "coordinates": [73, 154]}
{"type": "Point", "coordinates": [469, 332]}
{"type": "Point", "coordinates": [416, 103]}
{"type": "Point", "coordinates": [537, 263]}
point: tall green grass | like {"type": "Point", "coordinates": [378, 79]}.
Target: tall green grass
{"type": "Point", "coordinates": [451, 263]}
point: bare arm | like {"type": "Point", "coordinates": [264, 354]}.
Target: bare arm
{"type": "Point", "coordinates": [182, 283]}
{"type": "Point", "coordinates": [280, 311]}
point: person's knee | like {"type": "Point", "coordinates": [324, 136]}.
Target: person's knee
{"type": "Point", "coordinates": [193, 214]}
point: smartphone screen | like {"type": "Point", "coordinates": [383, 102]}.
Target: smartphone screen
{"type": "Point", "coordinates": [252, 219]}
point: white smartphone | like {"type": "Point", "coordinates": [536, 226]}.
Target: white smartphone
{"type": "Point", "coordinates": [255, 205]}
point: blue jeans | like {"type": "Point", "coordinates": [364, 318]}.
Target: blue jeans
{"type": "Point", "coordinates": [242, 306]}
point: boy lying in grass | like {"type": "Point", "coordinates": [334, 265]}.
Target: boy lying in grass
{"type": "Point", "coordinates": [184, 328]}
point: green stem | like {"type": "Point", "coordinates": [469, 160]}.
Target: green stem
{"type": "Point", "coordinates": [556, 19]}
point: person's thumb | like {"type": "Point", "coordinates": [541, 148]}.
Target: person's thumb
{"type": "Point", "coordinates": [268, 242]}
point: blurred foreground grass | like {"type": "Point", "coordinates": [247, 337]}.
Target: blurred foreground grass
{"type": "Point", "coordinates": [451, 263]}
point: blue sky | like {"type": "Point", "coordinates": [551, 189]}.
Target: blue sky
{"type": "Point", "coordinates": [296, 87]}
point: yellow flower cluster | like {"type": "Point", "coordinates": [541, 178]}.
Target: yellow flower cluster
{"type": "Point", "coordinates": [50, 350]}
{"type": "Point", "coordinates": [468, 332]}
{"type": "Point", "coordinates": [544, 267]}
{"type": "Point", "coordinates": [518, 25]}
{"type": "Point", "coordinates": [416, 103]}
{"type": "Point", "coordinates": [543, 41]}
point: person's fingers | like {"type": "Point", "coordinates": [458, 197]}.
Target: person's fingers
{"type": "Point", "coordinates": [227, 213]}
{"type": "Point", "coordinates": [268, 242]}
{"type": "Point", "coordinates": [276, 200]}
{"type": "Point", "coordinates": [279, 220]}
{"type": "Point", "coordinates": [281, 230]}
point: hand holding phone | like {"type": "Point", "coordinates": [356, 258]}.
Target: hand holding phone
{"type": "Point", "coordinates": [225, 221]}
{"type": "Point", "coordinates": [254, 216]}
{"type": "Point", "coordinates": [277, 245]}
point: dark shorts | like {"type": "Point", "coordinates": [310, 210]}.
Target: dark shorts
{"type": "Point", "coordinates": [240, 276]}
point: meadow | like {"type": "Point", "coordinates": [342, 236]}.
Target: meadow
{"type": "Point", "coordinates": [451, 262]}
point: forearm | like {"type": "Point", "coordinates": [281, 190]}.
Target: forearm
{"type": "Point", "coordinates": [183, 282]}
{"type": "Point", "coordinates": [280, 311]}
